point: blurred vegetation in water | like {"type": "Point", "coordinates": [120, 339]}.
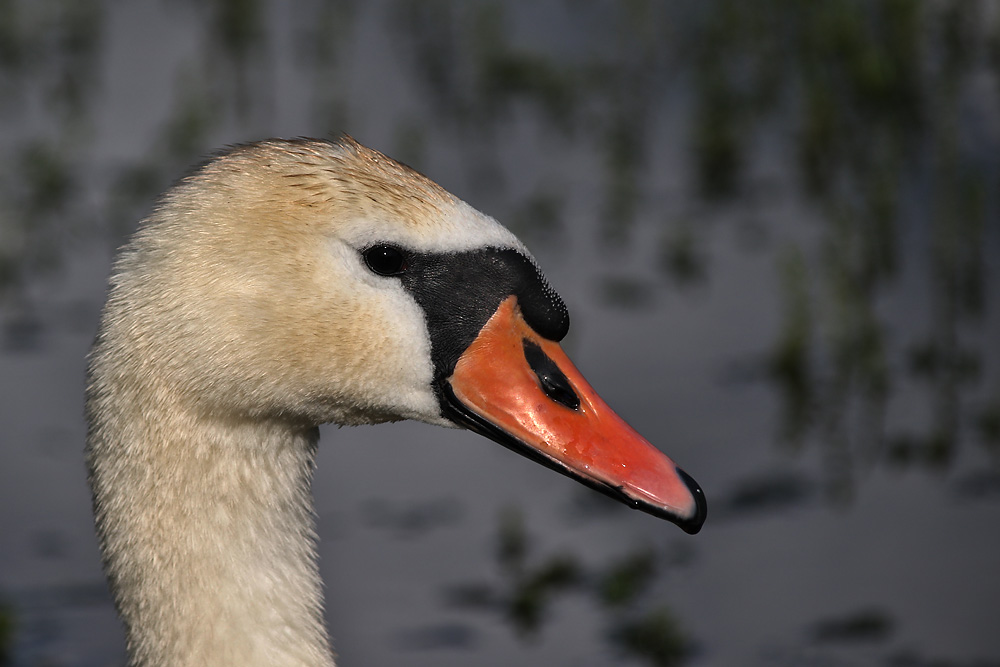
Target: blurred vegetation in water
{"type": "Point", "coordinates": [872, 117]}
{"type": "Point", "coordinates": [874, 122]}
{"type": "Point", "coordinates": [7, 628]}
{"type": "Point", "coordinates": [529, 587]}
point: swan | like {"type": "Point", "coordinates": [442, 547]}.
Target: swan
{"type": "Point", "coordinates": [290, 283]}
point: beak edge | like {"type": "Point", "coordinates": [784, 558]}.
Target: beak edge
{"type": "Point", "coordinates": [494, 392]}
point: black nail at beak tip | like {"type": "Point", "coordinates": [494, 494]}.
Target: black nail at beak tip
{"type": "Point", "coordinates": [694, 524]}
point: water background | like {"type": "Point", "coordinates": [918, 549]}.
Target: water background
{"type": "Point", "coordinates": [777, 228]}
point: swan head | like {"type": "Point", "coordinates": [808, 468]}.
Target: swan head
{"type": "Point", "coordinates": [305, 282]}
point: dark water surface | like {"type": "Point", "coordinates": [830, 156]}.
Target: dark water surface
{"type": "Point", "coordinates": [776, 225]}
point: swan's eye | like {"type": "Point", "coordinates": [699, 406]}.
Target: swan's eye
{"type": "Point", "coordinates": [385, 260]}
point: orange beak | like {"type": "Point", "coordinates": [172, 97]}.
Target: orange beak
{"type": "Point", "coordinates": [521, 390]}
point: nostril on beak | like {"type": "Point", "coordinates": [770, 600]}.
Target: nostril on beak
{"type": "Point", "coordinates": [552, 380]}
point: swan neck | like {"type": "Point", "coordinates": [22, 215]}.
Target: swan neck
{"type": "Point", "coordinates": [208, 537]}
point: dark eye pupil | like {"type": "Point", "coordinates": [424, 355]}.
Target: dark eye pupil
{"type": "Point", "coordinates": [385, 260]}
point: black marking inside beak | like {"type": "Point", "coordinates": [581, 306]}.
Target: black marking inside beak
{"type": "Point", "coordinates": [552, 380]}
